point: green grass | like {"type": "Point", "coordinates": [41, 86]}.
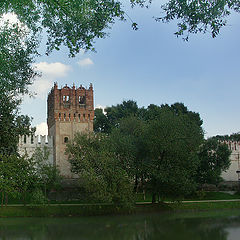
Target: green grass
{"type": "Point", "coordinates": [205, 206]}
{"type": "Point", "coordinates": [204, 196]}
{"type": "Point", "coordinates": [62, 211]}
{"type": "Point", "coordinates": [108, 209]}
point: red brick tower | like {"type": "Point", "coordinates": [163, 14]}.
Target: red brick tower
{"type": "Point", "coordinates": [70, 110]}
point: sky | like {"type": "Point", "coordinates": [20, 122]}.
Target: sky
{"type": "Point", "coordinates": [151, 66]}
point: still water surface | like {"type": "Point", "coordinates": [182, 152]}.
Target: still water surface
{"type": "Point", "coordinates": [223, 225]}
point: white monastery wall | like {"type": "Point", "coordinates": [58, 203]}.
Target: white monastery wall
{"type": "Point", "coordinates": [230, 174]}
{"type": "Point", "coordinates": [28, 144]}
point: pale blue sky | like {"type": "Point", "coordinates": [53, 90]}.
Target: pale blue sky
{"type": "Point", "coordinates": [151, 65]}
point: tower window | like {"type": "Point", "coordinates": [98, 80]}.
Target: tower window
{"type": "Point", "coordinates": [64, 116]}
{"type": "Point", "coordinates": [65, 140]}
{"type": "Point", "coordinates": [65, 98]}
{"type": "Point", "coordinates": [25, 139]}
{"type": "Point", "coordinates": [32, 139]}
{"type": "Point", "coordinates": [79, 117]}
{"type": "Point", "coordinates": [69, 117]}
{"type": "Point", "coordinates": [74, 116]}
{"type": "Point", "coordinates": [59, 116]}
{"type": "Point", "coordinates": [88, 116]}
{"type": "Point", "coordinates": [82, 99]}
{"type": "Point", "coordinates": [83, 116]}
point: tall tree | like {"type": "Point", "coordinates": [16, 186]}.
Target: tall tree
{"type": "Point", "coordinates": [101, 176]}
{"type": "Point", "coordinates": [17, 53]}
{"type": "Point", "coordinates": [172, 141]}
{"type": "Point", "coordinates": [130, 146]}
{"type": "Point", "coordinates": [214, 158]}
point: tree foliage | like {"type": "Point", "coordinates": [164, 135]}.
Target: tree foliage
{"type": "Point", "coordinates": [214, 159]}
{"type": "Point", "coordinates": [157, 146]}
{"type": "Point", "coordinates": [17, 53]}
{"type": "Point", "coordinates": [22, 175]}
{"type": "Point", "coordinates": [15, 176]}
{"type": "Point", "coordinates": [76, 24]}
{"type": "Point", "coordinates": [199, 15]}
{"type": "Point", "coordinates": [173, 141]}
{"type": "Point", "coordinates": [160, 149]}
{"type": "Point", "coordinates": [101, 175]}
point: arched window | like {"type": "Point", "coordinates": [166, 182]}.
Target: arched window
{"type": "Point", "coordinates": [82, 99]}
{"type": "Point", "coordinates": [65, 139]}
{"type": "Point", "coordinates": [66, 98]}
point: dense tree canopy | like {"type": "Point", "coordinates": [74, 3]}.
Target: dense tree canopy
{"type": "Point", "coordinates": [214, 159]}
{"type": "Point", "coordinates": [156, 146]}
{"type": "Point", "coordinates": [101, 176]}
{"type": "Point", "coordinates": [162, 147]}
{"type": "Point", "coordinates": [76, 24]}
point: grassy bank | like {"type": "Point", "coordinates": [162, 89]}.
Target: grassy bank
{"type": "Point", "coordinates": [107, 209]}
{"type": "Point", "coordinates": [201, 196]}
{"type": "Point", "coordinates": [205, 206]}
{"type": "Point", "coordinates": [62, 210]}
{"type": "Point", "coordinates": [79, 210]}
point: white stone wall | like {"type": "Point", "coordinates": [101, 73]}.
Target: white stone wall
{"type": "Point", "coordinates": [28, 144]}
{"type": "Point", "coordinates": [230, 174]}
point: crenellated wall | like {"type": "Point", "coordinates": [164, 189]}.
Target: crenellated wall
{"type": "Point", "coordinates": [28, 144]}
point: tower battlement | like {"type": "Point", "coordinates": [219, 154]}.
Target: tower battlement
{"type": "Point", "coordinates": [70, 104]}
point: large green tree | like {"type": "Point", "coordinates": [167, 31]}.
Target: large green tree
{"type": "Point", "coordinates": [17, 53]}
{"type": "Point", "coordinates": [173, 141]}
{"type": "Point", "coordinates": [129, 144]}
{"type": "Point", "coordinates": [214, 158]}
{"type": "Point", "coordinates": [101, 175]}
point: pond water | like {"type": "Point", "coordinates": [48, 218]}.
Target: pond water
{"type": "Point", "coordinates": [222, 225]}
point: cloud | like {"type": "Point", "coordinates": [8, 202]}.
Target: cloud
{"type": "Point", "coordinates": [53, 70]}
{"type": "Point", "coordinates": [85, 62]}
{"type": "Point", "coordinates": [102, 107]}
{"type": "Point", "coordinates": [10, 17]}
{"type": "Point", "coordinates": [50, 73]}
{"type": "Point", "coordinates": [42, 129]}
{"type": "Point", "coordinates": [41, 87]}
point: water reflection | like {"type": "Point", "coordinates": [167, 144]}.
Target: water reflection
{"type": "Point", "coordinates": [137, 227]}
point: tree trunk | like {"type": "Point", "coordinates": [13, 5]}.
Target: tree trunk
{"type": "Point", "coordinates": [136, 184]}
{"type": "Point", "coordinates": [2, 199]}
{"type": "Point", "coordinates": [154, 198]}
{"type": "Point", "coordinates": [6, 199]}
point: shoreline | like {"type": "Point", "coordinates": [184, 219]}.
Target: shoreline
{"type": "Point", "coordinates": [80, 210]}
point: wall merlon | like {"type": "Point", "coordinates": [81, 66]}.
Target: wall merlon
{"type": "Point", "coordinates": [39, 140]}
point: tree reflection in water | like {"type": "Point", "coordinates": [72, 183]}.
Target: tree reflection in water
{"type": "Point", "coordinates": [134, 227]}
